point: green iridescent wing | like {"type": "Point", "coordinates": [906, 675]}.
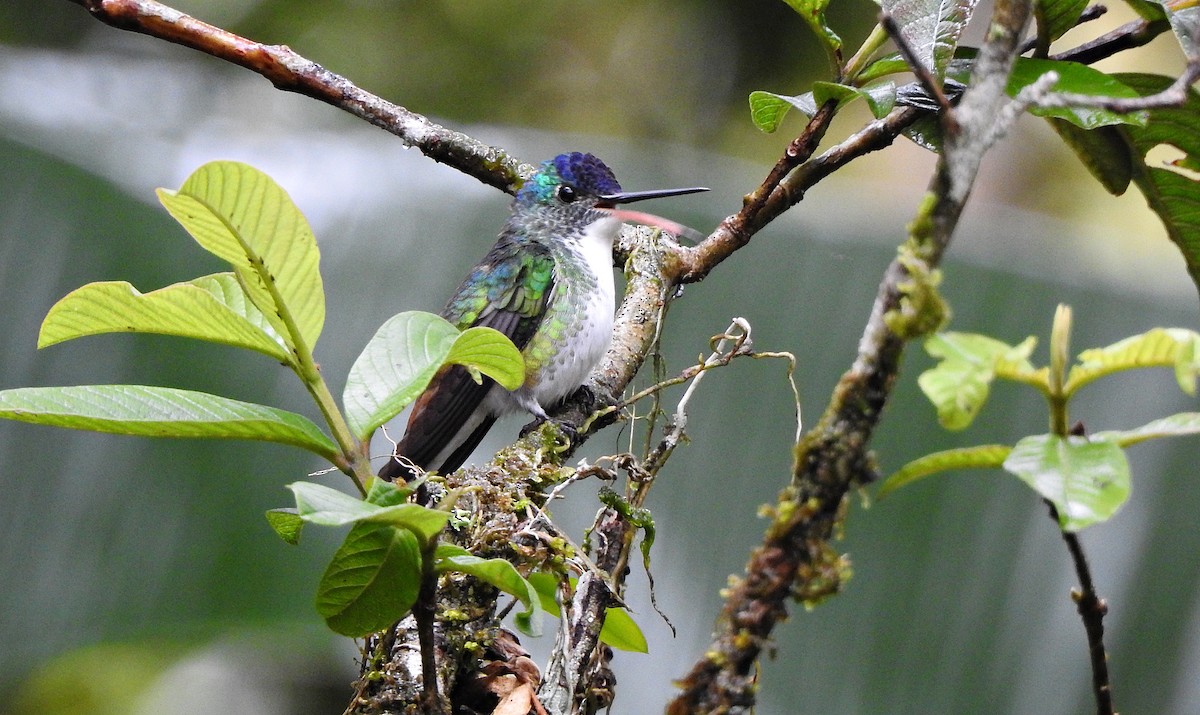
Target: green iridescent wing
{"type": "Point", "coordinates": [508, 291]}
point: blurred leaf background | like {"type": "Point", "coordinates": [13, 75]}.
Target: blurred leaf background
{"type": "Point", "coordinates": [139, 576]}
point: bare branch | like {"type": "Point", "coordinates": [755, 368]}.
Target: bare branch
{"type": "Point", "coordinates": [928, 82]}
{"type": "Point", "coordinates": [1126, 37]}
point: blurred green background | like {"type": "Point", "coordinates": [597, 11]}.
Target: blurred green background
{"type": "Point", "coordinates": [139, 576]}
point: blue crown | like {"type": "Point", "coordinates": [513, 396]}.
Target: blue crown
{"type": "Point", "coordinates": [585, 172]}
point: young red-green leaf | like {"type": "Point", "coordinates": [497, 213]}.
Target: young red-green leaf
{"type": "Point", "coordinates": [932, 28]}
{"type": "Point", "coordinates": [397, 364]}
{"type": "Point", "coordinates": [287, 524]}
{"type": "Point", "coordinates": [241, 215]}
{"type": "Point", "coordinates": [149, 411]}
{"type": "Point", "coordinates": [372, 581]}
{"type": "Point", "coordinates": [619, 630]}
{"type": "Point", "coordinates": [319, 504]}
{"type": "Point", "coordinates": [213, 308]}
{"type": "Point", "coordinates": [984, 456]}
{"type": "Point", "coordinates": [1177, 425]}
{"type": "Point", "coordinates": [958, 386]}
{"type": "Point", "coordinates": [1161, 347]}
{"type": "Point", "coordinates": [1087, 480]}
{"type": "Point", "coordinates": [499, 573]}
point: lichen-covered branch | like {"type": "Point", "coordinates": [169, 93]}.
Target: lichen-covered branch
{"type": "Point", "coordinates": [795, 558]}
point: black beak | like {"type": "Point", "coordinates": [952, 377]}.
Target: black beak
{"type": "Point", "coordinates": [628, 197]}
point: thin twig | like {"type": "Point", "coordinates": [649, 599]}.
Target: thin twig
{"type": "Point", "coordinates": [1126, 37]}
{"type": "Point", "coordinates": [425, 614]}
{"type": "Point", "coordinates": [1092, 610]}
{"type": "Point", "coordinates": [758, 208]}
{"type": "Point", "coordinates": [928, 82]}
{"type": "Point", "coordinates": [1176, 95]}
{"type": "Point", "coordinates": [1090, 13]}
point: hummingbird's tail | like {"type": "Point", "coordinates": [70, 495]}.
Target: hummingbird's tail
{"type": "Point", "coordinates": [447, 423]}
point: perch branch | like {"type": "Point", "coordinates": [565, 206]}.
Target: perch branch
{"type": "Point", "coordinates": [290, 72]}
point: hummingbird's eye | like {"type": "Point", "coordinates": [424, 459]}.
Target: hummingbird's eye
{"type": "Point", "coordinates": [566, 193]}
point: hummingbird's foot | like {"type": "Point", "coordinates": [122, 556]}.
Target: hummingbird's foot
{"type": "Point", "coordinates": [568, 430]}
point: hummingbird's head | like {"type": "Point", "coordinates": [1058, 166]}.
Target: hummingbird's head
{"type": "Point", "coordinates": [582, 188]}
{"type": "Point", "coordinates": [569, 179]}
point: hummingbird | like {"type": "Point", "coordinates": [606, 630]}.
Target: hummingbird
{"type": "Point", "coordinates": [547, 284]}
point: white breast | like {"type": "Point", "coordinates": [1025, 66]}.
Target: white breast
{"type": "Point", "coordinates": [588, 331]}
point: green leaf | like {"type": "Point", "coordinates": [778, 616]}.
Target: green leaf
{"type": "Point", "coordinates": [843, 94]}
{"type": "Point", "coordinates": [545, 585]}
{"type": "Point", "coordinates": [1056, 17]}
{"type": "Point", "coordinates": [813, 12]}
{"type": "Point", "coordinates": [212, 308]}
{"type": "Point", "coordinates": [881, 97]}
{"type": "Point", "coordinates": [319, 504]}
{"type": "Point", "coordinates": [406, 352]}
{"type": "Point", "coordinates": [1177, 425]}
{"type": "Point", "coordinates": [984, 456]}
{"type": "Point", "coordinates": [1075, 78]}
{"type": "Point", "coordinates": [426, 523]}
{"type": "Point", "coordinates": [1078, 79]}
{"type": "Point", "coordinates": [490, 352]}
{"type": "Point", "coordinates": [242, 216]}
{"type": "Point", "coordinates": [1147, 10]}
{"type": "Point", "coordinates": [149, 411]}
{"type": "Point", "coordinates": [1160, 347]}
{"type": "Point", "coordinates": [385, 493]}
{"type": "Point", "coordinates": [499, 573]}
{"type": "Point", "coordinates": [372, 581]}
{"type": "Point", "coordinates": [1104, 151]}
{"type": "Point", "coordinates": [622, 634]}
{"type": "Point", "coordinates": [883, 66]}
{"type": "Point", "coordinates": [767, 109]}
{"type": "Point", "coordinates": [1174, 196]}
{"type": "Point", "coordinates": [287, 523]}
{"type": "Point", "coordinates": [1086, 480]}
{"type": "Point", "coordinates": [926, 133]}
{"type": "Point", "coordinates": [394, 368]}
{"type": "Point", "coordinates": [931, 27]}
{"type": "Point", "coordinates": [958, 386]}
